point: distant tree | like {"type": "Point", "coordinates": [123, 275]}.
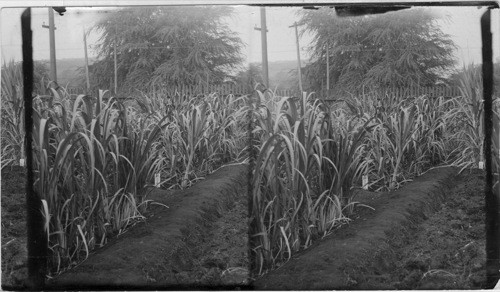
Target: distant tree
{"type": "Point", "coordinates": [166, 46]}
{"type": "Point", "coordinates": [393, 49]}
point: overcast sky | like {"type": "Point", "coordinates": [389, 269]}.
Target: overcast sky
{"type": "Point", "coordinates": [463, 26]}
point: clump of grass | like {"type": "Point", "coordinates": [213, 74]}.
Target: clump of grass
{"type": "Point", "coordinates": [92, 167]}
{"type": "Point", "coordinates": [12, 113]}
{"type": "Point", "coordinates": [303, 169]}
{"type": "Point", "coordinates": [408, 137]}
{"type": "Point", "coordinates": [468, 118]}
{"type": "Point", "coordinates": [12, 108]}
{"type": "Point", "coordinates": [201, 135]}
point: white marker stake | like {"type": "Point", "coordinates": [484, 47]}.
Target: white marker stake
{"type": "Point", "coordinates": [481, 165]}
{"type": "Point", "coordinates": [21, 162]}
{"type": "Point", "coordinates": [157, 180]}
{"type": "Point", "coordinates": [365, 182]}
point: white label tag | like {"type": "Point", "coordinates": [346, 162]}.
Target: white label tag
{"type": "Point", "coordinates": [481, 165]}
{"type": "Point", "coordinates": [365, 182]}
{"type": "Point", "coordinates": [21, 162]}
{"type": "Point", "coordinates": [157, 180]}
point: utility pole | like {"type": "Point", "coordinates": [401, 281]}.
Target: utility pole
{"type": "Point", "coordinates": [86, 62]}
{"type": "Point", "coordinates": [299, 71]}
{"type": "Point", "coordinates": [52, 39]}
{"type": "Point", "coordinates": [116, 68]}
{"type": "Point", "coordinates": [263, 34]}
{"type": "Point", "coordinates": [327, 69]}
{"type": "Point", "coordinates": [115, 60]}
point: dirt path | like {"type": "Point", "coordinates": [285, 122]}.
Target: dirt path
{"type": "Point", "coordinates": [446, 251]}
{"type": "Point", "coordinates": [427, 235]}
{"type": "Point", "coordinates": [223, 257]}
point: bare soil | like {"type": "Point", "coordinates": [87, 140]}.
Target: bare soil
{"type": "Point", "coordinates": [14, 238]}
{"type": "Point", "coordinates": [446, 251]}
{"type": "Point", "coordinates": [428, 235]}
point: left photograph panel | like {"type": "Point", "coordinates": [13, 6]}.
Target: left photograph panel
{"type": "Point", "coordinates": [139, 147]}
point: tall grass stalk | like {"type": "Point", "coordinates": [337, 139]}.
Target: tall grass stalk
{"type": "Point", "coordinates": [201, 135]}
{"type": "Point", "coordinates": [469, 118]}
{"type": "Point", "coordinates": [12, 114]}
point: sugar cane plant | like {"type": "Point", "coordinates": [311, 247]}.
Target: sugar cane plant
{"type": "Point", "coordinates": [12, 114]}
{"type": "Point", "coordinates": [92, 167]}
{"type": "Point", "coordinates": [468, 120]}
{"type": "Point", "coordinates": [311, 157]}
{"type": "Point", "coordinates": [298, 184]}
{"type": "Point", "coordinates": [201, 135]}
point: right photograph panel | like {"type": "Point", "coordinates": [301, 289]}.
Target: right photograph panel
{"type": "Point", "coordinates": [368, 164]}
